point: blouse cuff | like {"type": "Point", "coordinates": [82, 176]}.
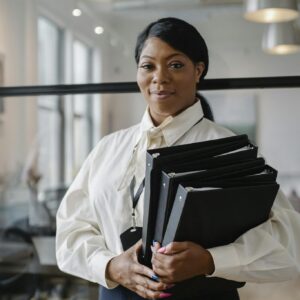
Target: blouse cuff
{"type": "Point", "coordinates": [226, 260]}
{"type": "Point", "coordinates": [99, 263]}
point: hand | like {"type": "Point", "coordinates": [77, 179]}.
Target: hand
{"type": "Point", "coordinates": [181, 260]}
{"type": "Point", "coordinates": [127, 271]}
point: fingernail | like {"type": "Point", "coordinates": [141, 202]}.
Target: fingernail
{"type": "Point", "coordinates": [153, 242]}
{"type": "Point", "coordinates": [154, 277]}
{"type": "Point", "coordinates": [161, 250]}
{"type": "Point", "coordinates": [165, 295]}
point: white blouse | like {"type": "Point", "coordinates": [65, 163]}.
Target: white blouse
{"type": "Point", "coordinates": [97, 208]}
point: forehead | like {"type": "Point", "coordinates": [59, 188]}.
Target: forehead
{"type": "Point", "coordinates": [156, 48]}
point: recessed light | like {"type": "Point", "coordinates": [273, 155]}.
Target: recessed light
{"type": "Point", "coordinates": [99, 30]}
{"type": "Point", "coordinates": [76, 12]}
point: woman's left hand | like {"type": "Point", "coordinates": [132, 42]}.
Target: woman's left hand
{"type": "Point", "coordinates": [181, 260]}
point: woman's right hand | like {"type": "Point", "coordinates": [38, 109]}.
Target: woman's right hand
{"type": "Point", "coordinates": [126, 270]}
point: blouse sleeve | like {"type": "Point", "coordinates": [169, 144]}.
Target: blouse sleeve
{"type": "Point", "coordinates": [80, 246]}
{"type": "Point", "coordinates": [267, 253]}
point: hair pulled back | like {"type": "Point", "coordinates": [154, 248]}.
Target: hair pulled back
{"type": "Point", "coordinates": [183, 37]}
{"type": "Point", "coordinates": [180, 35]}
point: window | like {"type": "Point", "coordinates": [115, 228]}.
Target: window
{"type": "Point", "coordinates": [64, 138]}
{"type": "Point", "coordinates": [66, 124]}
{"type": "Point", "coordinates": [50, 147]}
{"type": "Point", "coordinates": [82, 104]}
{"type": "Point", "coordinates": [50, 114]}
{"type": "Point", "coordinates": [50, 45]}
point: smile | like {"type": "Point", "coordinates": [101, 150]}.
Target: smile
{"type": "Point", "coordinates": [162, 94]}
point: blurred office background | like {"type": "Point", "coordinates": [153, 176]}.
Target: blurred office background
{"type": "Point", "coordinates": [44, 139]}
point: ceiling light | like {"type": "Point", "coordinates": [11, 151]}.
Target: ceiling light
{"type": "Point", "coordinates": [281, 38]}
{"type": "Point", "coordinates": [76, 12]}
{"type": "Point", "coordinates": [99, 30]}
{"type": "Point", "coordinates": [270, 11]}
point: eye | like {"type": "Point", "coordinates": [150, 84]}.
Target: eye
{"type": "Point", "coordinates": [176, 65]}
{"type": "Point", "coordinates": [146, 66]}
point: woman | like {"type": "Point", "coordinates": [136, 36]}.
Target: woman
{"type": "Point", "coordinates": [172, 58]}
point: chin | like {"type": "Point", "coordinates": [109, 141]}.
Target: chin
{"type": "Point", "coordinates": [166, 110]}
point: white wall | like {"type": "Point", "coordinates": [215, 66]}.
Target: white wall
{"type": "Point", "coordinates": [18, 46]}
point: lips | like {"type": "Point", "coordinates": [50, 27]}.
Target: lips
{"type": "Point", "coordinates": [162, 94]}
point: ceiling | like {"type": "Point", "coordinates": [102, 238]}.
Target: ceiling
{"type": "Point", "coordinates": [114, 5]}
{"type": "Point", "coordinates": [140, 10]}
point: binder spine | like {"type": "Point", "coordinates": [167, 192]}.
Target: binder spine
{"type": "Point", "coordinates": [161, 219]}
{"type": "Point", "coordinates": [147, 205]}
{"type": "Point", "coordinates": [150, 205]}
{"type": "Point", "coordinates": [175, 216]}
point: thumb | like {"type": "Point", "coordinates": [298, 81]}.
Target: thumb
{"type": "Point", "coordinates": [137, 246]}
{"type": "Point", "coordinates": [173, 248]}
{"type": "Point", "coordinates": [136, 250]}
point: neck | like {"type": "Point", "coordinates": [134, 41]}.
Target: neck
{"type": "Point", "coordinates": [158, 117]}
{"type": "Point", "coordinates": [157, 120]}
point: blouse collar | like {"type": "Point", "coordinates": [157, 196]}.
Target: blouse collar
{"type": "Point", "coordinates": [173, 128]}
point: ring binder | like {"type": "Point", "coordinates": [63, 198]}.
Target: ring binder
{"type": "Point", "coordinates": [207, 192]}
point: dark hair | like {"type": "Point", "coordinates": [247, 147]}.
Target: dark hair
{"type": "Point", "coordinates": [178, 34]}
{"type": "Point", "coordinates": [207, 111]}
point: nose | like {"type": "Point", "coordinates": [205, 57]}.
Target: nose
{"type": "Point", "coordinates": [160, 76]}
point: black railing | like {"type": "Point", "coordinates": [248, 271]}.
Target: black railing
{"type": "Point", "coordinates": [132, 87]}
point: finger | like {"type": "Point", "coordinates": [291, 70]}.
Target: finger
{"type": "Point", "coordinates": [168, 280]}
{"type": "Point", "coordinates": [143, 270]}
{"type": "Point", "coordinates": [166, 276]}
{"type": "Point", "coordinates": [150, 284]}
{"type": "Point", "coordinates": [153, 249]}
{"type": "Point", "coordinates": [173, 248]}
{"type": "Point", "coordinates": [160, 268]}
{"type": "Point", "coordinates": [161, 273]}
{"type": "Point", "coordinates": [146, 293]}
{"type": "Point", "coordinates": [138, 245]}
{"type": "Point", "coordinates": [156, 245]}
{"type": "Point", "coordinates": [162, 258]}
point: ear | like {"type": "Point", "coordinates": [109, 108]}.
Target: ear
{"type": "Point", "coordinates": [199, 68]}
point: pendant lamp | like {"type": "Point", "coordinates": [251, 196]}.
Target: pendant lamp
{"type": "Point", "coordinates": [281, 38]}
{"type": "Point", "coordinates": [270, 11]}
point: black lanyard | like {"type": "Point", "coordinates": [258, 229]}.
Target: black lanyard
{"type": "Point", "coordinates": [130, 236]}
{"type": "Point", "coordinates": [135, 197]}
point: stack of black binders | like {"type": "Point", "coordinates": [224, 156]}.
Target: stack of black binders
{"type": "Point", "coordinates": [208, 192]}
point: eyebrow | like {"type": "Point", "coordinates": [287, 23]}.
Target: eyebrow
{"type": "Point", "coordinates": [168, 57]}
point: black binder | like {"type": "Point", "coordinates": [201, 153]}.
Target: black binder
{"type": "Point", "coordinates": [216, 215]}
{"type": "Point", "coordinates": [170, 182]}
{"type": "Point", "coordinates": [227, 158]}
{"type": "Point", "coordinates": [208, 192]}
{"type": "Point", "coordinates": [170, 157]}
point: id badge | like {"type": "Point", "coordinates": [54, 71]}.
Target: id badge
{"type": "Point", "coordinates": [130, 237]}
